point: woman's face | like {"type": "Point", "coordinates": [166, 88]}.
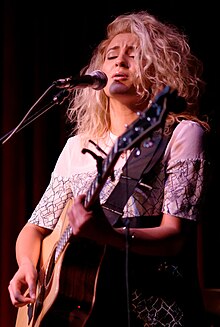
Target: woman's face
{"type": "Point", "coordinates": [120, 67]}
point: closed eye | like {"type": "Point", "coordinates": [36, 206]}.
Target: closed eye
{"type": "Point", "coordinates": [114, 57]}
{"type": "Point", "coordinates": [111, 57]}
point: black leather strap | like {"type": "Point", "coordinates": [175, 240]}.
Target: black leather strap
{"type": "Point", "coordinates": [133, 170]}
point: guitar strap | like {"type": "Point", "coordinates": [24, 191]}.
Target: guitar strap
{"type": "Point", "coordinates": [136, 167]}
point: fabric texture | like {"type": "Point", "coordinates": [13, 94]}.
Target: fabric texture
{"type": "Point", "coordinates": [163, 293]}
{"type": "Point", "coordinates": [175, 189]}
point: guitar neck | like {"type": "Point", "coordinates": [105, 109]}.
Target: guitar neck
{"type": "Point", "coordinates": [91, 195]}
{"type": "Point", "coordinates": [64, 239]}
{"type": "Point", "coordinates": [135, 133]}
{"type": "Point", "coordinates": [106, 170]}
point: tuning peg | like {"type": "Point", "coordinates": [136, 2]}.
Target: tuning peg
{"type": "Point", "coordinates": [148, 143]}
{"type": "Point", "coordinates": [137, 152]}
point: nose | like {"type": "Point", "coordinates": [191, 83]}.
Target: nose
{"type": "Point", "coordinates": [121, 62]}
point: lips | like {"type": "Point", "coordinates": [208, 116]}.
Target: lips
{"type": "Point", "coordinates": [120, 76]}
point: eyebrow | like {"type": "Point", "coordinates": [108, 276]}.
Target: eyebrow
{"type": "Point", "coordinates": [131, 47]}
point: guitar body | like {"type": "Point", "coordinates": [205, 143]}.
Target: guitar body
{"type": "Point", "coordinates": [83, 278]}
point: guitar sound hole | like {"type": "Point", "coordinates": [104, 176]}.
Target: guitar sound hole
{"type": "Point", "coordinates": [50, 268]}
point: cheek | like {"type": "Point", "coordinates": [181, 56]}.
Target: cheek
{"type": "Point", "coordinates": [106, 68]}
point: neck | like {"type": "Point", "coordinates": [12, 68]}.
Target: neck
{"type": "Point", "coordinates": [120, 122]}
{"type": "Point", "coordinates": [122, 116]}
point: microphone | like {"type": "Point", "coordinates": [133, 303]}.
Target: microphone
{"type": "Point", "coordinates": [97, 80]}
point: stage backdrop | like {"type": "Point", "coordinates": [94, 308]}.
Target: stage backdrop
{"type": "Point", "coordinates": [43, 41]}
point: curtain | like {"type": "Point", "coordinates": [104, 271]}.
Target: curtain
{"type": "Point", "coordinates": [42, 42]}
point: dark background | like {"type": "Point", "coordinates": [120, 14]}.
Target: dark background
{"type": "Point", "coordinates": [42, 41]}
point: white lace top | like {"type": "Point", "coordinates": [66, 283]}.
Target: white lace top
{"type": "Point", "coordinates": [176, 189]}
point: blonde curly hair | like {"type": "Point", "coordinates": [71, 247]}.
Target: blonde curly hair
{"type": "Point", "coordinates": [164, 58]}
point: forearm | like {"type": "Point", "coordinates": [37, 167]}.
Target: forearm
{"type": "Point", "coordinates": [28, 244]}
{"type": "Point", "coordinates": [165, 240]}
{"type": "Point", "coordinates": [157, 241]}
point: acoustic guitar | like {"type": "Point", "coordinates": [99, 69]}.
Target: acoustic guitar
{"type": "Point", "coordinates": [89, 260]}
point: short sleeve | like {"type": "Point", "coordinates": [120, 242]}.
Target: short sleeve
{"type": "Point", "coordinates": [185, 171]}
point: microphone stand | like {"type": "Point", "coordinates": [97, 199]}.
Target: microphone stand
{"type": "Point", "coordinates": [58, 99]}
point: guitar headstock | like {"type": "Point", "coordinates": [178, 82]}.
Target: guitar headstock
{"type": "Point", "coordinates": [136, 132]}
{"type": "Point", "coordinates": [146, 122]}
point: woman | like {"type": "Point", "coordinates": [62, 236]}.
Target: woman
{"type": "Point", "coordinates": [148, 269]}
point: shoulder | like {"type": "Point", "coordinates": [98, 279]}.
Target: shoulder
{"type": "Point", "coordinates": [69, 156]}
{"type": "Point", "coordinates": [73, 160]}
{"type": "Point", "coordinates": [188, 128]}
{"type": "Point", "coordinates": [73, 141]}
{"type": "Point", "coordinates": [73, 146]}
{"type": "Point", "coordinates": [187, 140]}
{"type": "Point", "coordinates": [189, 132]}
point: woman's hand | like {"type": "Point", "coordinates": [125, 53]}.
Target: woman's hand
{"type": "Point", "coordinates": [91, 224]}
{"type": "Point", "coordinates": [24, 279]}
